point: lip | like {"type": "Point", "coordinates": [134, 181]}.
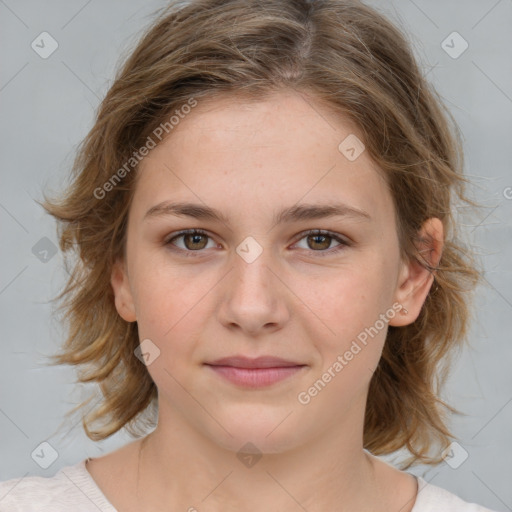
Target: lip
{"type": "Point", "coordinates": [258, 362]}
{"type": "Point", "coordinates": [254, 373]}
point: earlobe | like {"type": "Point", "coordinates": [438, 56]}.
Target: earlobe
{"type": "Point", "coordinates": [416, 277]}
{"type": "Point", "coordinates": [122, 292]}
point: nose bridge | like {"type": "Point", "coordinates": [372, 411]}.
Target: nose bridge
{"type": "Point", "coordinates": [251, 269]}
{"type": "Point", "coordinates": [252, 296]}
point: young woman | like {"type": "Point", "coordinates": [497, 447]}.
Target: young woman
{"type": "Point", "coordinates": [268, 270]}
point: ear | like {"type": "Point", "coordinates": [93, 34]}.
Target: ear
{"type": "Point", "coordinates": [122, 292]}
{"type": "Point", "coordinates": [415, 280]}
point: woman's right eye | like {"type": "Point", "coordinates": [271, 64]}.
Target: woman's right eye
{"type": "Point", "coordinates": [193, 240]}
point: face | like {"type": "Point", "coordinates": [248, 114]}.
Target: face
{"type": "Point", "coordinates": [253, 284]}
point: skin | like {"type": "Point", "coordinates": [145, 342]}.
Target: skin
{"type": "Point", "coordinates": [299, 299]}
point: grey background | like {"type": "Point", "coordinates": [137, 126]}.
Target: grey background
{"type": "Point", "coordinates": [48, 107]}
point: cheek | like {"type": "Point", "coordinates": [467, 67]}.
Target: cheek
{"type": "Point", "coordinates": [171, 308]}
{"type": "Point", "coordinates": [162, 293]}
{"type": "Point", "coordinates": [355, 308]}
{"type": "Point", "coordinates": [350, 300]}
{"type": "Point", "coordinates": [348, 335]}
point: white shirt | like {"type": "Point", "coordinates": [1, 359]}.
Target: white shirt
{"type": "Point", "coordinates": [73, 489]}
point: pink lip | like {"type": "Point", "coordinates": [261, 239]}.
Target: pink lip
{"type": "Point", "coordinates": [258, 372]}
{"type": "Point", "coordinates": [258, 362]}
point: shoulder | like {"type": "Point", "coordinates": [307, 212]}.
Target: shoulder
{"type": "Point", "coordinates": [431, 498]}
{"type": "Point", "coordinates": [71, 488]}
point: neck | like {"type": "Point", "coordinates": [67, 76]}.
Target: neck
{"type": "Point", "coordinates": [184, 469]}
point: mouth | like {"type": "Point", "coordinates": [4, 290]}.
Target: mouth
{"type": "Point", "coordinates": [254, 373]}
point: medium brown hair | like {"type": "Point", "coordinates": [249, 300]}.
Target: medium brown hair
{"type": "Point", "coordinates": [352, 59]}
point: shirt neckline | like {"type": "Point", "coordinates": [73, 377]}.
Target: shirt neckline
{"type": "Point", "coordinates": [99, 496]}
{"type": "Point", "coordinates": [422, 494]}
{"type": "Point", "coordinates": [94, 491]}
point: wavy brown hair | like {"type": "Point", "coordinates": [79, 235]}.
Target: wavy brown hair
{"type": "Point", "coordinates": [352, 59]}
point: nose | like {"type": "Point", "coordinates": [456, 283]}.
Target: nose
{"type": "Point", "coordinates": [254, 297]}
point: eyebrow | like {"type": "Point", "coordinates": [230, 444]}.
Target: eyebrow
{"type": "Point", "coordinates": [291, 214]}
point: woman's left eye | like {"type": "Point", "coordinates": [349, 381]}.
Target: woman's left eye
{"type": "Point", "coordinates": [321, 240]}
{"type": "Point", "coordinates": [194, 240]}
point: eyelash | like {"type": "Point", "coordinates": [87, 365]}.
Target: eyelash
{"type": "Point", "coordinates": [188, 253]}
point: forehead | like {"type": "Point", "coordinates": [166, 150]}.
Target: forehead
{"type": "Point", "coordinates": [259, 154]}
